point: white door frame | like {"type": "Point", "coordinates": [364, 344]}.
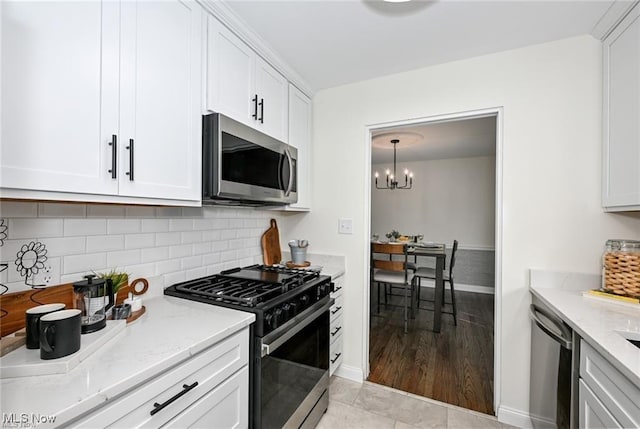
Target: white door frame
{"type": "Point", "coordinates": [497, 339]}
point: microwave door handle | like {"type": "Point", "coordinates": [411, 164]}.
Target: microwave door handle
{"type": "Point", "coordinates": [287, 192]}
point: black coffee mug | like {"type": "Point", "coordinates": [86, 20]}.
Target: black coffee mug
{"type": "Point", "coordinates": [33, 316]}
{"type": "Point", "coordinates": [60, 333]}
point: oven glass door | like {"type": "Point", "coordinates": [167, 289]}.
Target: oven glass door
{"type": "Point", "coordinates": [292, 371]}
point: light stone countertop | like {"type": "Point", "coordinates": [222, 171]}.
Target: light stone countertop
{"type": "Point", "coordinates": [171, 331]}
{"type": "Point", "coordinates": [332, 265]}
{"type": "Point", "coordinates": [597, 322]}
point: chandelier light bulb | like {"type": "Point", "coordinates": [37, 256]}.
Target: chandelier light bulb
{"type": "Point", "coordinates": [406, 171]}
{"type": "Point", "coordinates": [387, 172]}
{"type": "Point", "coordinates": [391, 177]}
{"type": "Point", "coordinates": [377, 175]}
{"type": "Point", "coordinates": [411, 175]}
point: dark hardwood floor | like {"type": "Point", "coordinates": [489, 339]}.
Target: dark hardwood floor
{"type": "Point", "coordinates": [454, 366]}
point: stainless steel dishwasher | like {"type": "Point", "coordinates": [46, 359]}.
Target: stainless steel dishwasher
{"type": "Point", "coordinates": [555, 364]}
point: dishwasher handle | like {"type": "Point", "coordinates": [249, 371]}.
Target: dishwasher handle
{"type": "Point", "coordinates": [564, 339]}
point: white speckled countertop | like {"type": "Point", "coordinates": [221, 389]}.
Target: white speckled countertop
{"type": "Point", "coordinates": [332, 265]}
{"type": "Point", "coordinates": [171, 330]}
{"type": "Point", "coordinates": [597, 322]}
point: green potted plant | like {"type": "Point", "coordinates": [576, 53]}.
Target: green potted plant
{"type": "Point", "coordinates": [118, 279]}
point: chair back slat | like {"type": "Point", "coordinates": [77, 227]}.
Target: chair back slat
{"type": "Point", "coordinates": [391, 249]}
{"type": "Point", "coordinates": [453, 258]}
{"type": "Point", "coordinates": [398, 266]}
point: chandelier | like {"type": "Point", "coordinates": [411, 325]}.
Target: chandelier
{"type": "Point", "coordinates": [392, 181]}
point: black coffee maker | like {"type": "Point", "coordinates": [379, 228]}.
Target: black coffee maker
{"type": "Point", "coordinates": [93, 297]}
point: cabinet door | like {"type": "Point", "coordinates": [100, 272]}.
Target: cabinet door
{"type": "Point", "coordinates": [230, 64]}
{"type": "Point", "coordinates": [621, 169]}
{"type": "Point", "coordinates": [300, 138]}
{"type": "Point", "coordinates": [160, 118]}
{"type": "Point", "coordinates": [592, 413]}
{"type": "Point", "coordinates": [226, 406]}
{"type": "Point", "coordinates": [59, 95]}
{"type": "Point", "coordinates": [272, 89]}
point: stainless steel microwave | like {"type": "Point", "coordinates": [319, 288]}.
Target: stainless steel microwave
{"type": "Point", "coordinates": [242, 166]}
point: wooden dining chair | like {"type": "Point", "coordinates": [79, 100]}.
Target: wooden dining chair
{"type": "Point", "coordinates": [447, 276]}
{"type": "Point", "coordinates": [387, 271]}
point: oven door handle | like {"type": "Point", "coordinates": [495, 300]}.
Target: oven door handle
{"type": "Point", "coordinates": [273, 345]}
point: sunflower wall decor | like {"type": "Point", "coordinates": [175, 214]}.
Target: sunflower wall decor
{"type": "Point", "coordinates": [30, 260]}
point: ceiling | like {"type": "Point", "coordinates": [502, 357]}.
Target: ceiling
{"type": "Point", "coordinates": [441, 140]}
{"type": "Point", "coordinates": [331, 43]}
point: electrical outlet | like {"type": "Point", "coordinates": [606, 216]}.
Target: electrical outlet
{"type": "Point", "coordinates": [345, 226]}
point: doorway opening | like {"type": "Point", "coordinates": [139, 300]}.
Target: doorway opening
{"type": "Point", "coordinates": [455, 194]}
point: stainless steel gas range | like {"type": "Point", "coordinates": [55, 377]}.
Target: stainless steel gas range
{"type": "Point", "coordinates": [289, 358]}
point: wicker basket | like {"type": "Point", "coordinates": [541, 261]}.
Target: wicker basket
{"type": "Point", "coordinates": [622, 273]}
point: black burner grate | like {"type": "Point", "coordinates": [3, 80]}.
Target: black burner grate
{"type": "Point", "coordinates": [239, 291]}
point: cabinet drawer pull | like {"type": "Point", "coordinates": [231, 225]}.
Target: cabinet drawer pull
{"type": "Point", "coordinates": [261, 104]}
{"type": "Point", "coordinates": [255, 107]}
{"type": "Point", "coordinates": [334, 311]}
{"type": "Point", "coordinates": [114, 156]}
{"type": "Point", "coordinates": [336, 358]}
{"type": "Point", "coordinates": [185, 388]}
{"type": "Point", "coordinates": [337, 289]}
{"type": "Point", "coordinates": [334, 333]}
{"type": "Point", "coordinates": [130, 149]}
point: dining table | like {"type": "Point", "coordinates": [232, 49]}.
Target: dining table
{"type": "Point", "coordinates": [437, 251]}
{"type": "Point", "coordinates": [430, 250]}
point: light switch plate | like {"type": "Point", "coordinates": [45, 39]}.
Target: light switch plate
{"type": "Point", "coordinates": [345, 226]}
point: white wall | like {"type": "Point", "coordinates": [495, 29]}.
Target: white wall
{"type": "Point", "coordinates": [450, 199]}
{"type": "Point", "coordinates": [551, 96]}
{"type": "Point", "coordinates": [166, 245]}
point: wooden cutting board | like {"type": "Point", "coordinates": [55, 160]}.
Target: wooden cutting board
{"type": "Point", "coordinates": [271, 245]}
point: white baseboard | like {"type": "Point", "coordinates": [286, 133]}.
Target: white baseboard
{"type": "Point", "coordinates": [350, 373]}
{"type": "Point", "coordinates": [514, 417]}
{"type": "Point", "coordinates": [462, 287]}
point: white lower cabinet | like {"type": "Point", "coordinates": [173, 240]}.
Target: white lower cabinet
{"type": "Point", "coordinates": [593, 414]}
{"type": "Point", "coordinates": [607, 398]}
{"type": "Point", "coordinates": [212, 386]}
{"type": "Point", "coordinates": [336, 328]}
{"type": "Point", "coordinates": [222, 407]}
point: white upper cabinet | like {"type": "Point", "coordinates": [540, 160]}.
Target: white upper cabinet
{"type": "Point", "coordinates": [241, 85]}
{"type": "Point", "coordinates": [272, 89]}
{"type": "Point", "coordinates": [95, 91]}
{"type": "Point", "coordinates": [59, 99]}
{"type": "Point", "coordinates": [621, 154]}
{"type": "Point", "coordinates": [300, 138]}
{"type": "Point", "coordinates": [230, 64]}
{"type": "Point", "coordinates": [160, 116]}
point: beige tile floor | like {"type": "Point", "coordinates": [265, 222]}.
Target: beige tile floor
{"type": "Point", "coordinates": [370, 406]}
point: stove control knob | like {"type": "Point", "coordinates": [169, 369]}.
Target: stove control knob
{"type": "Point", "coordinates": [287, 314]}
{"type": "Point", "coordinates": [304, 301]}
{"type": "Point", "coordinates": [277, 317]}
{"type": "Point", "coordinates": [323, 290]}
{"type": "Point", "coordinates": [268, 320]}
{"type": "Point", "coordinates": [293, 308]}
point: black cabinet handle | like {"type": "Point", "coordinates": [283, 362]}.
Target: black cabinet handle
{"type": "Point", "coordinates": [130, 149]}
{"type": "Point", "coordinates": [261, 104]}
{"type": "Point", "coordinates": [114, 156]}
{"type": "Point", "coordinates": [334, 333]}
{"type": "Point", "coordinates": [336, 310]}
{"type": "Point", "coordinates": [337, 289]}
{"type": "Point", "coordinates": [185, 388]}
{"type": "Point", "coordinates": [336, 358]}
{"type": "Point", "coordinates": [255, 107]}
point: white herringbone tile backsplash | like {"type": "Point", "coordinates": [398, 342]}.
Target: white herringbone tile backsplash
{"type": "Point", "coordinates": [163, 244]}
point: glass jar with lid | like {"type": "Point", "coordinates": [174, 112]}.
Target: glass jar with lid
{"type": "Point", "coordinates": [621, 268]}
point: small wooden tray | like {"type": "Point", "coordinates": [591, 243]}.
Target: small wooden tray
{"type": "Point", "coordinates": [290, 264]}
{"type": "Point", "coordinates": [136, 314]}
